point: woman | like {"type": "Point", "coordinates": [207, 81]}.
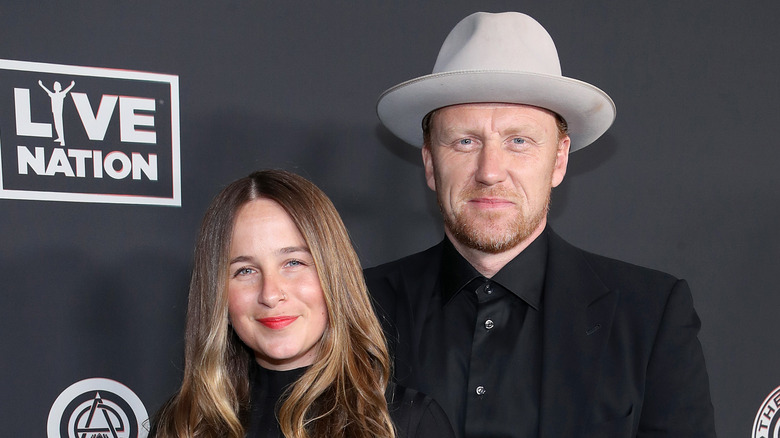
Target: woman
{"type": "Point", "coordinates": [279, 325]}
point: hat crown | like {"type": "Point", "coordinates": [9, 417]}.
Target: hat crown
{"type": "Point", "coordinates": [506, 57]}
{"type": "Point", "coordinates": [508, 41]}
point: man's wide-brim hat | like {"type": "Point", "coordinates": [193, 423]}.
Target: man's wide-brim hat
{"type": "Point", "coordinates": [508, 58]}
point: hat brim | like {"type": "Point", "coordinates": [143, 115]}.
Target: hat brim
{"type": "Point", "coordinates": [588, 111]}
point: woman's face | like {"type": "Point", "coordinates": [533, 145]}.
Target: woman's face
{"type": "Point", "coordinates": [275, 300]}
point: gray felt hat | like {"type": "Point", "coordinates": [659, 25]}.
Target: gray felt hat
{"type": "Point", "coordinates": [507, 57]}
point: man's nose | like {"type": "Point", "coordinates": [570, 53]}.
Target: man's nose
{"type": "Point", "coordinates": [491, 165]}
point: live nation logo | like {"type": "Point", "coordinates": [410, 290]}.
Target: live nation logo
{"type": "Point", "coordinates": [87, 134]}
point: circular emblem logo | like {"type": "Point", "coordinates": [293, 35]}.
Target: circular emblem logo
{"type": "Point", "coordinates": [767, 418]}
{"type": "Point", "coordinates": [97, 408]}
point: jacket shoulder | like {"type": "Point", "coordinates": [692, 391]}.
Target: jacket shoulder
{"type": "Point", "coordinates": [409, 265]}
{"type": "Point", "coordinates": [613, 272]}
{"type": "Point", "coordinates": [399, 288]}
{"type": "Point", "coordinates": [620, 270]}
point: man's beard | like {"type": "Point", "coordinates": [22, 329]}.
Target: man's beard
{"type": "Point", "coordinates": [491, 238]}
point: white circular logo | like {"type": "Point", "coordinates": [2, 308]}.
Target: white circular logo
{"type": "Point", "coordinates": [98, 408]}
{"type": "Point", "coordinates": [767, 418]}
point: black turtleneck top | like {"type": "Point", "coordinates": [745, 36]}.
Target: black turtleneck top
{"type": "Point", "coordinates": [414, 414]}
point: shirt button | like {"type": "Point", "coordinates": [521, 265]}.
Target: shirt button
{"type": "Point", "coordinates": [481, 390]}
{"type": "Point", "coordinates": [489, 324]}
{"type": "Point", "coordinates": [488, 289]}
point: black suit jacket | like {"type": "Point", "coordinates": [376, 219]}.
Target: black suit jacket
{"type": "Point", "coordinates": [620, 353]}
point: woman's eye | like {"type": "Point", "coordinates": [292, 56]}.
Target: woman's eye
{"type": "Point", "coordinates": [244, 271]}
{"type": "Point", "coordinates": [294, 263]}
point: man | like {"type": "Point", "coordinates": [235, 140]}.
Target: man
{"type": "Point", "coordinates": [515, 332]}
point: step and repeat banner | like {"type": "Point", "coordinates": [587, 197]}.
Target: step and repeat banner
{"type": "Point", "coordinates": [119, 121]}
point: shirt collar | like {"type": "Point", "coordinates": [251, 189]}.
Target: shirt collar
{"type": "Point", "coordinates": [523, 275]}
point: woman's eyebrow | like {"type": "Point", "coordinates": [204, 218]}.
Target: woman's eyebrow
{"type": "Point", "coordinates": [240, 259]}
{"type": "Point", "coordinates": [285, 250]}
{"type": "Point", "coordinates": [291, 249]}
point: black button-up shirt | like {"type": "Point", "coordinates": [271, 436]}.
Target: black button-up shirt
{"type": "Point", "coordinates": [480, 355]}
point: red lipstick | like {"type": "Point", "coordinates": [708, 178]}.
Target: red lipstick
{"type": "Point", "coordinates": [277, 322]}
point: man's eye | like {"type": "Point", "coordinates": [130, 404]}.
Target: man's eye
{"type": "Point", "coordinates": [518, 140]}
{"type": "Point", "coordinates": [465, 141]}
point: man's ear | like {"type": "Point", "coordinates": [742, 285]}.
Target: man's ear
{"type": "Point", "coordinates": [561, 161]}
{"type": "Point", "coordinates": [428, 163]}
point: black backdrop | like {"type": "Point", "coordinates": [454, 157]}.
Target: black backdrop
{"type": "Point", "coordinates": [685, 181]}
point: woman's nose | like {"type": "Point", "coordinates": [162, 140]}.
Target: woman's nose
{"type": "Point", "coordinates": [271, 292]}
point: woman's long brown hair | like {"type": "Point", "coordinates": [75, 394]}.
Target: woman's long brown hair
{"type": "Point", "coordinates": [342, 393]}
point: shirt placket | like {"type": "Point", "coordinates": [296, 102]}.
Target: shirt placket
{"type": "Point", "coordinates": [482, 390]}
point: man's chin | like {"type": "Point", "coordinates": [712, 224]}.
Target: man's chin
{"type": "Point", "coordinates": [490, 236]}
{"type": "Point", "coordinates": [489, 239]}
{"type": "Point", "coordinates": [489, 245]}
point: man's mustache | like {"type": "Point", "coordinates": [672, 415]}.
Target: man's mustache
{"type": "Point", "coordinates": [493, 192]}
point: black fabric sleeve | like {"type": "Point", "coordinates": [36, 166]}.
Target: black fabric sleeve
{"type": "Point", "coordinates": [416, 415]}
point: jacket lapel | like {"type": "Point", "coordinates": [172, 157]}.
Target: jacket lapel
{"type": "Point", "coordinates": [578, 313]}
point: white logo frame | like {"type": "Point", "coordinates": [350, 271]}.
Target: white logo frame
{"type": "Point", "coordinates": [96, 384]}
{"type": "Point", "coordinates": [172, 80]}
{"type": "Point", "coordinates": [766, 417]}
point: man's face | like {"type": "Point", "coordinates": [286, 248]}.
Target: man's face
{"type": "Point", "coordinates": [492, 167]}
